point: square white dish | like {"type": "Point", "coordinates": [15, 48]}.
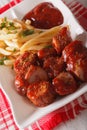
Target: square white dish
{"type": "Point", "coordinates": [25, 113]}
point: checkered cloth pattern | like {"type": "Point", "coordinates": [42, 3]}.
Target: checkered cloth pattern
{"type": "Point", "coordinates": [69, 111]}
{"type": "Point", "coordinates": [7, 6]}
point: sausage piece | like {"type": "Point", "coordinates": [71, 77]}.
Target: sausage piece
{"type": "Point", "coordinates": [21, 84]}
{"type": "Point", "coordinates": [36, 73]}
{"type": "Point", "coordinates": [64, 83]}
{"type": "Point", "coordinates": [41, 93]}
{"type": "Point", "coordinates": [61, 40]}
{"type": "Point", "coordinates": [24, 61]}
{"type": "Point", "coordinates": [46, 52]}
{"type": "Point", "coordinates": [75, 55]}
{"type": "Point", "coordinates": [53, 66]}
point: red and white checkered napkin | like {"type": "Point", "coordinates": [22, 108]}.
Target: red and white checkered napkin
{"type": "Point", "coordinates": [7, 6]}
{"type": "Point", "coordinates": [51, 120]}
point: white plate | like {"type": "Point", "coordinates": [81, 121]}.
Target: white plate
{"type": "Point", "coordinates": [25, 113]}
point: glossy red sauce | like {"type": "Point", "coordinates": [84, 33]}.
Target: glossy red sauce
{"type": "Point", "coordinates": [45, 16]}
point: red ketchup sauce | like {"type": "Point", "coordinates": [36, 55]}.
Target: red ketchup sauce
{"type": "Point", "coordinates": [44, 16]}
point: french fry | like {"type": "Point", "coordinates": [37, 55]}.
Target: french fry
{"type": "Point", "coordinates": [17, 36]}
